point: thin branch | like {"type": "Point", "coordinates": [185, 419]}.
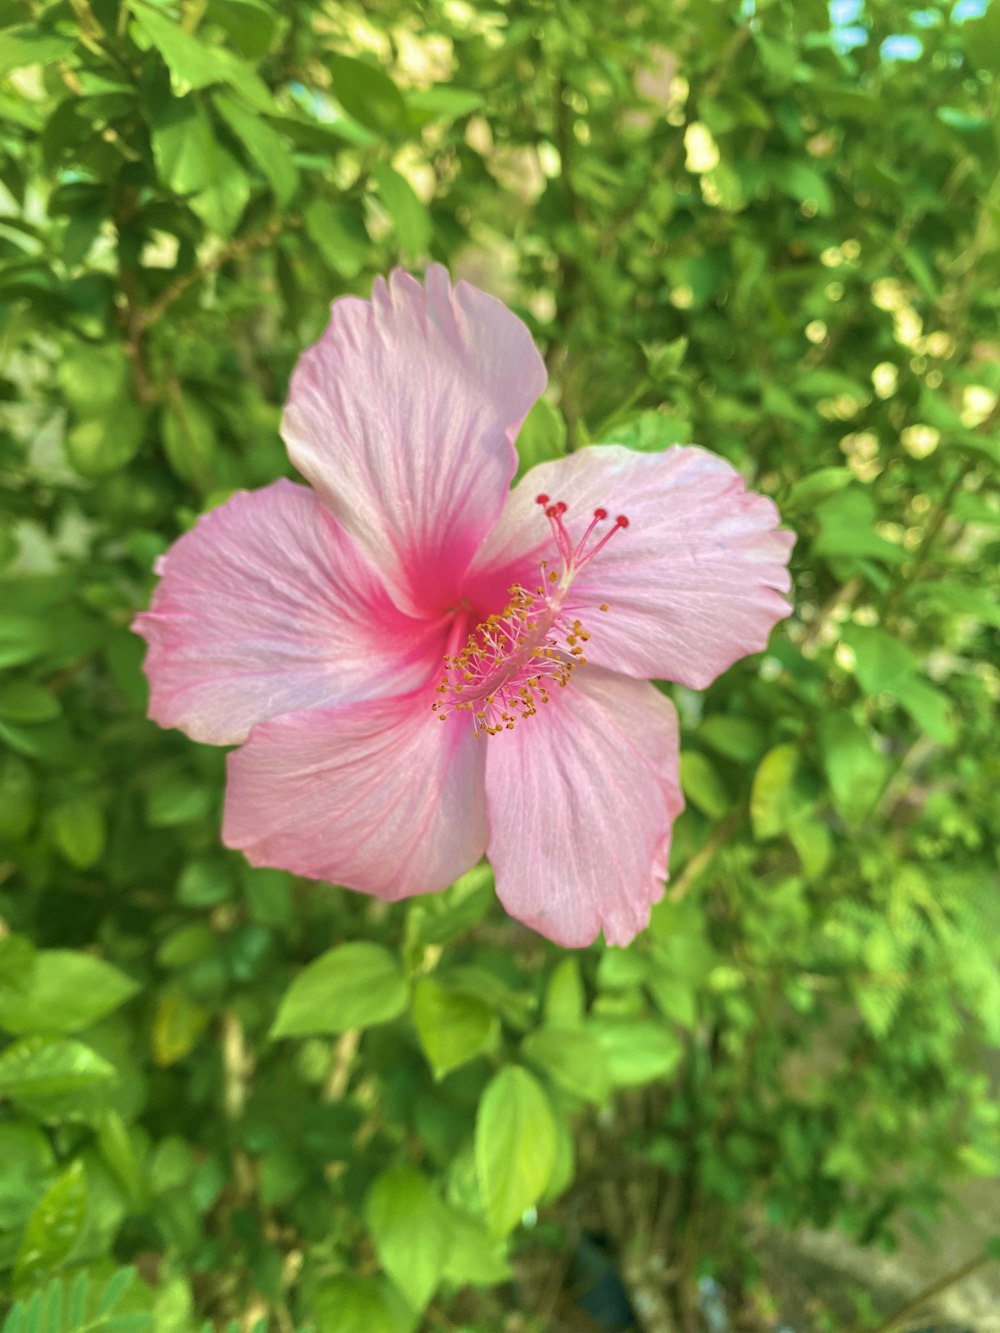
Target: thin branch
{"type": "Point", "coordinates": [703, 858]}
{"type": "Point", "coordinates": [237, 249]}
{"type": "Point", "coordinates": [917, 1303]}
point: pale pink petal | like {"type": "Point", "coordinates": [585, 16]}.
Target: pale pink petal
{"type": "Point", "coordinates": [266, 607]}
{"type": "Point", "coordinates": [691, 585]}
{"type": "Point", "coordinates": [378, 796]}
{"type": "Point", "coordinates": [404, 415]}
{"type": "Point", "coordinates": [581, 800]}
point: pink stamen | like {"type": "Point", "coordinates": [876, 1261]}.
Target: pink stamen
{"type": "Point", "coordinates": [554, 513]}
{"type": "Point", "coordinates": [575, 557]}
{"type": "Point", "coordinates": [620, 522]}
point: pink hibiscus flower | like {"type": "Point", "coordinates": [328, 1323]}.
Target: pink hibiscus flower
{"type": "Point", "coordinates": [421, 665]}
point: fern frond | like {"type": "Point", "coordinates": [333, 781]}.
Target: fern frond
{"type": "Point", "coordinates": [54, 1309]}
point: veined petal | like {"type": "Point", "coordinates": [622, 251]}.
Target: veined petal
{"type": "Point", "coordinates": [691, 585]}
{"type": "Point", "coordinates": [404, 415]}
{"type": "Point", "coordinates": [266, 607]}
{"type": "Point", "coordinates": [581, 800]}
{"type": "Point", "coordinates": [378, 796]}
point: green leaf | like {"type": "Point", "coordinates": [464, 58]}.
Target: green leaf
{"type": "Point", "coordinates": [265, 148]}
{"type": "Point", "coordinates": [409, 1226]}
{"type": "Point", "coordinates": [98, 446]}
{"type": "Point", "coordinates": [349, 1304]}
{"type": "Point", "coordinates": [28, 1166]}
{"type": "Point", "coordinates": [369, 95]}
{"type": "Point", "coordinates": [806, 184]}
{"type": "Point", "coordinates": [665, 359]}
{"type": "Point", "coordinates": [220, 205]}
{"type": "Point", "coordinates": [981, 40]}
{"type": "Point", "coordinates": [881, 661]}
{"type": "Point", "coordinates": [189, 439]}
{"type": "Point", "coordinates": [27, 44]}
{"type": "Point", "coordinates": [93, 378]}
{"type": "Point", "coordinates": [338, 233]}
{"type": "Point", "coordinates": [119, 1152]}
{"type": "Point", "coordinates": [572, 1057]}
{"type": "Point", "coordinates": [176, 799]}
{"type": "Point", "coordinates": [54, 1078]}
{"type": "Point", "coordinates": [739, 738]}
{"type": "Point", "coordinates": [817, 486]}
{"type": "Point", "coordinates": [543, 435]}
{"type": "Point", "coordinates": [637, 1052]}
{"type": "Point", "coordinates": [813, 845]}
{"type": "Point", "coordinates": [54, 1228]}
{"type": "Point", "coordinates": [205, 882]}
{"type": "Point", "coordinates": [23, 638]}
{"type": "Point", "coordinates": [475, 1258]}
{"type": "Point", "coordinates": [855, 771]}
{"type": "Point", "coordinates": [76, 1311]}
{"type": "Point", "coordinates": [25, 702]}
{"type": "Point", "coordinates": [564, 1167]}
{"type": "Point", "coordinates": [948, 597]}
{"type": "Point", "coordinates": [930, 708]}
{"type": "Point", "coordinates": [776, 800]}
{"type": "Point", "coordinates": [442, 102]}
{"type": "Point", "coordinates": [515, 1147]}
{"type": "Point", "coordinates": [79, 831]}
{"type": "Point", "coordinates": [184, 146]}
{"type": "Point", "coordinates": [178, 1023]}
{"type": "Point", "coordinates": [652, 432]}
{"type": "Point", "coordinates": [249, 23]}
{"type": "Point", "coordinates": [17, 963]}
{"type": "Point", "coordinates": [409, 216]}
{"type": "Point", "coordinates": [116, 1287]}
{"type": "Point", "coordinates": [352, 986]}
{"type": "Point", "coordinates": [847, 529]}
{"type": "Point", "coordinates": [193, 64]}
{"type": "Point", "coordinates": [879, 1003]}
{"type": "Point", "coordinates": [675, 998]}
{"type": "Point", "coordinates": [67, 991]}
{"type": "Point", "coordinates": [565, 1001]}
{"type": "Point", "coordinates": [702, 785]}
{"type": "Point", "coordinates": [453, 1027]}
{"type": "Point", "coordinates": [439, 918]}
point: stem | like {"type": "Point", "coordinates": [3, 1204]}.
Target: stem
{"type": "Point", "coordinates": [917, 1303]}
{"type": "Point", "coordinates": [234, 250]}
{"type": "Point", "coordinates": [342, 1058]}
{"type": "Point", "coordinates": [843, 596]}
{"type": "Point", "coordinates": [703, 858]}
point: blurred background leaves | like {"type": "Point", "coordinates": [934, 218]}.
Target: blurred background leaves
{"type": "Point", "coordinates": [229, 1096]}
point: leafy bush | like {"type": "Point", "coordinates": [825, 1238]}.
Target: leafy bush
{"type": "Point", "coordinates": [725, 223]}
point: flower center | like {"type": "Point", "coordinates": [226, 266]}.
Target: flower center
{"type": "Point", "coordinates": [515, 657]}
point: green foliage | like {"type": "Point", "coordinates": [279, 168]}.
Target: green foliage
{"type": "Point", "coordinates": [295, 1108]}
{"type": "Point", "coordinates": [74, 1308]}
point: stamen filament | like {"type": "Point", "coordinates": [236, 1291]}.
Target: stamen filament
{"type": "Point", "coordinates": [510, 661]}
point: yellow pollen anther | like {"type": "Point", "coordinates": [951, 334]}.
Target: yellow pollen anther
{"type": "Point", "coordinates": [509, 663]}
{"type": "Point", "coordinates": [512, 658]}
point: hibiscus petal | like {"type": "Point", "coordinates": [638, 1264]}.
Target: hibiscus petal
{"type": "Point", "coordinates": [403, 417]}
{"type": "Point", "coordinates": [691, 585]}
{"type": "Point", "coordinates": [377, 796]}
{"type": "Point", "coordinates": [581, 800]}
{"type": "Point", "coordinates": [267, 607]}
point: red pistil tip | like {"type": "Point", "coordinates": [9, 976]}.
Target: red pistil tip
{"type": "Point", "coordinates": [541, 499]}
{"type": "Point", "coordinates": [600, 515]}
{"type": "Point", "coordinates": [560, 507]}
{"type": "Point", "coordinates": [621, 521]}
